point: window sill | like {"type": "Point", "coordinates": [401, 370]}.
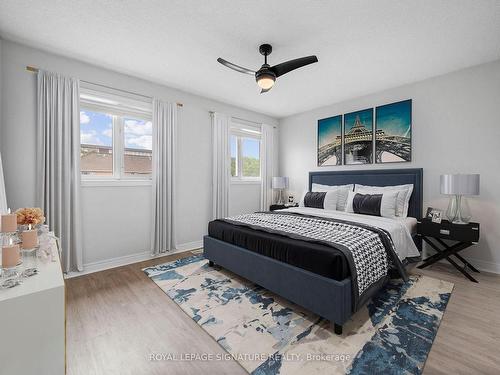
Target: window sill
{"type": "Point", "coordinates": [115, 183]}
{"type": "Point", "coordinates": [245, 182]}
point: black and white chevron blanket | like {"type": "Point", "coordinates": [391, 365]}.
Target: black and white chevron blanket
{"type": "Point", "coordinates": [369, 250]}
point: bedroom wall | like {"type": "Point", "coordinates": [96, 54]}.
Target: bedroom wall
{"type": "Point", "coordinates": [238, 196]}
{"type": "Point", "coordinates": [116, 220]}
{"type": "Point", "coordinates": [456, 129]}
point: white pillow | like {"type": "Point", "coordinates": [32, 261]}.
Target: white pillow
{"type": "Point", "coordinates": [301, 202]}
{"type": "Point", "coordinates": [404, 195]}
{"type": "Point", "coordinates": [388, 204]}
{"type": "Point", "coordinates": [330, 202]}
{"type": "Point", "coordinates": [343, 190]}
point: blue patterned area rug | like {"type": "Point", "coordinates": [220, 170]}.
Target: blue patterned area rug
{"type": "Point", "coordinates": [267, 334]}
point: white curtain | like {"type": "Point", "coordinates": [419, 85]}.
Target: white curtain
{"type": "Point", "coordinates": [3, 195]}
{"type": "Point", "coordinates": [267, 157]}
{"type": "Point", "coordinates": [220, 165]}
{"type": "Point", "coordinates": [164, 159]}
{"type": "Point", "coordinates": [58, 172]}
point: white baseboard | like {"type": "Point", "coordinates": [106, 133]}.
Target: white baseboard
{"type": "Point", "coordinates": [481, 265]}
{"type": "Point", "coordinates": [485, 266]}
{"type": "Point", "coordinates": [107, 264]}
{"type": "Point", "coordinates": [189, 246]}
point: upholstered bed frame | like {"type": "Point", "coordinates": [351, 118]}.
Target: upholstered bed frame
{"type": "Point", "coordinates": [326, 297]}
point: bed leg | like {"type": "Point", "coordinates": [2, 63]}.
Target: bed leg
{"type": "Point", "coordinates": [210, 263]}
{"type": "Point", "coordinates": [337, 328]}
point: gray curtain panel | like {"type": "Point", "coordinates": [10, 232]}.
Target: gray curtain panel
{"type": "Point", "coordinates": [164, 154]}
{"type": "Point", "coordinates": [220, 165]}
{"type": "Point", "coordinates": [58, 175]}
{"type": "Point", "coordinates": [267, 170]}
{"type": "Point", "coordinates": [3, 195]}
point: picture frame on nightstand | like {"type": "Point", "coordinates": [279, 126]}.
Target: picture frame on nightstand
{"type": "Point", "coordinates": [437, 216]}
{"type": "Point", "coordinates": [428, 214]}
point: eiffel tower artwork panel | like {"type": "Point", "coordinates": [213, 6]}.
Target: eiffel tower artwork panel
{"type": "Point", "coordinates": [393, 132]}
{"type": "Point", "coordinates": [358, 137]}
{"type": "Point", "coordinates": [330, 141]}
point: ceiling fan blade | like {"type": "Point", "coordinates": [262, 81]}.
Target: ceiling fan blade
{"type": "Point", "coordinates": [290, 65]}
{"type": "Point", "coordinates": [235, 67]}
{"type": "Point", "coordinates": [265, 90]}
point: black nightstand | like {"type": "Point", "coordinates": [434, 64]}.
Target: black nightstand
{"type": "Point", "coordinates": [465, 236]}
{"type": "Point", "coordinates": [274, 207]}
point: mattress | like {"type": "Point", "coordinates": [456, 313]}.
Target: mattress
{"type": "Point", "coordinates": [320, 259]}
{"type": "Point", "coordinates": [410, 223]}
{"type": "Point", "coordinates": [400, 229]}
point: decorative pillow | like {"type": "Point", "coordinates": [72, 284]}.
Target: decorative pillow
{"type": "Point", "coordinates": [325, 200]}
{"type": "Point", "coordinates": [367, 204]}
{"type": "Point", "coordinates": [343, 190]}
{"type": "Point", "coordinates": [314, 200]}
{"type": "Point", "coordinates": [403, 199]}
{"type": "Point", "coordinates": [373, 204]}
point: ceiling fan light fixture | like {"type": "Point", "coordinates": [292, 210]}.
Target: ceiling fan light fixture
{"type": "Point", "coordinates": [265, 80]}
{"type": "Point", "coordinates": [267, 74]}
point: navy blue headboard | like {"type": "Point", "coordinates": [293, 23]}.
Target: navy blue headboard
{"type": "Point", "coordinates": [377, 177]}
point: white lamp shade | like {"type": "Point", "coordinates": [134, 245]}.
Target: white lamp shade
{"type": "Point", "coordinates": [460, 184]}
{"type": "Point", "coordinates": [280, 183]}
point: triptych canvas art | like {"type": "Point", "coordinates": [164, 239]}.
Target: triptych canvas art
{"type": "Point", "coordinates": [366, 136]}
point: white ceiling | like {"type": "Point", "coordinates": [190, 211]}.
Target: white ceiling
{"type": "Point", "coordinates": [362, 46]}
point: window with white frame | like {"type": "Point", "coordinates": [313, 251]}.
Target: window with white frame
{"type": "Point", "coordinates": [245, 152]}
{"type": "Point", "coordinates": [116, 137]}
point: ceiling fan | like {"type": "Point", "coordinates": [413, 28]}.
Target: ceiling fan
{"type": "Point", "coordinates": [266, 75]}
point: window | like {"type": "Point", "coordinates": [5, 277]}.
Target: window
{"type": "Point", "coordinates": [96, 143]}
{"type": "Point", "coordinates": [116, 142]}
{"type": "Point", "coordinates": [138, 155]}
{"type": "Point", "coordinates": [245, 154]}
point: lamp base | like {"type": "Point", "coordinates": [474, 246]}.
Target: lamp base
{"type": "Point", "coordinates": [460, 222]}
{"type": "Point", "coordinates": [458, 210]}
{"type": "Point", "coordinates": [280, 197]}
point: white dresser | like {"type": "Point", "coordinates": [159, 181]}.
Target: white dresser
{"type": "Point", "coordinates": [32, 323]}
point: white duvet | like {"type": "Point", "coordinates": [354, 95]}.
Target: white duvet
{"type": "Point", "coordinates": [397, 228]}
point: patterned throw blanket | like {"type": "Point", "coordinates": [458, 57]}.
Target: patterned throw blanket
{"type": "Point", "coordinates": [369, 250]}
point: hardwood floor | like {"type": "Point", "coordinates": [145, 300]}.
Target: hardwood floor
{"type": "Point", "coordinates": [117, 318]}
{"type": "Point", "coordinates": [468, 340]}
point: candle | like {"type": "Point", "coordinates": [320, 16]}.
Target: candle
{"type": "Point", "coordinates": [9, 222]}
{"type": "Point", "coordinates": [29, 238]}
{"type": "Point", "coordinates": [10, 255]}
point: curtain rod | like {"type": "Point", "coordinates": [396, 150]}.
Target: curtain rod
{"type": "Point", "coordinates": [237, 118]}
{"type": "Point", "coordinates": [35, 70]}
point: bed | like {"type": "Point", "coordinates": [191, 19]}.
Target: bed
{"type": "Point", "coordinates": [309, 273]}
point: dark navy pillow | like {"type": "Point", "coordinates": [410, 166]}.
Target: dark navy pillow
{"type": "Point", "coordinates": [367, 204]}
{"type": "Point", "coordinates": [314, 199]}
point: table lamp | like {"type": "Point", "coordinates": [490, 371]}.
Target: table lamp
{"type": "Point", "coordinates": [459, 186]}
{"type": "Point", "coordinates": [280, 183]}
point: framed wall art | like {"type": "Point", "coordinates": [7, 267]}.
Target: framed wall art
{"type": "Point", "coordinates": [330, 141]}
{"type": "Point", "coordinates": [358, 137]}
{"type": "Point", "coordinates": [393, 132]}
